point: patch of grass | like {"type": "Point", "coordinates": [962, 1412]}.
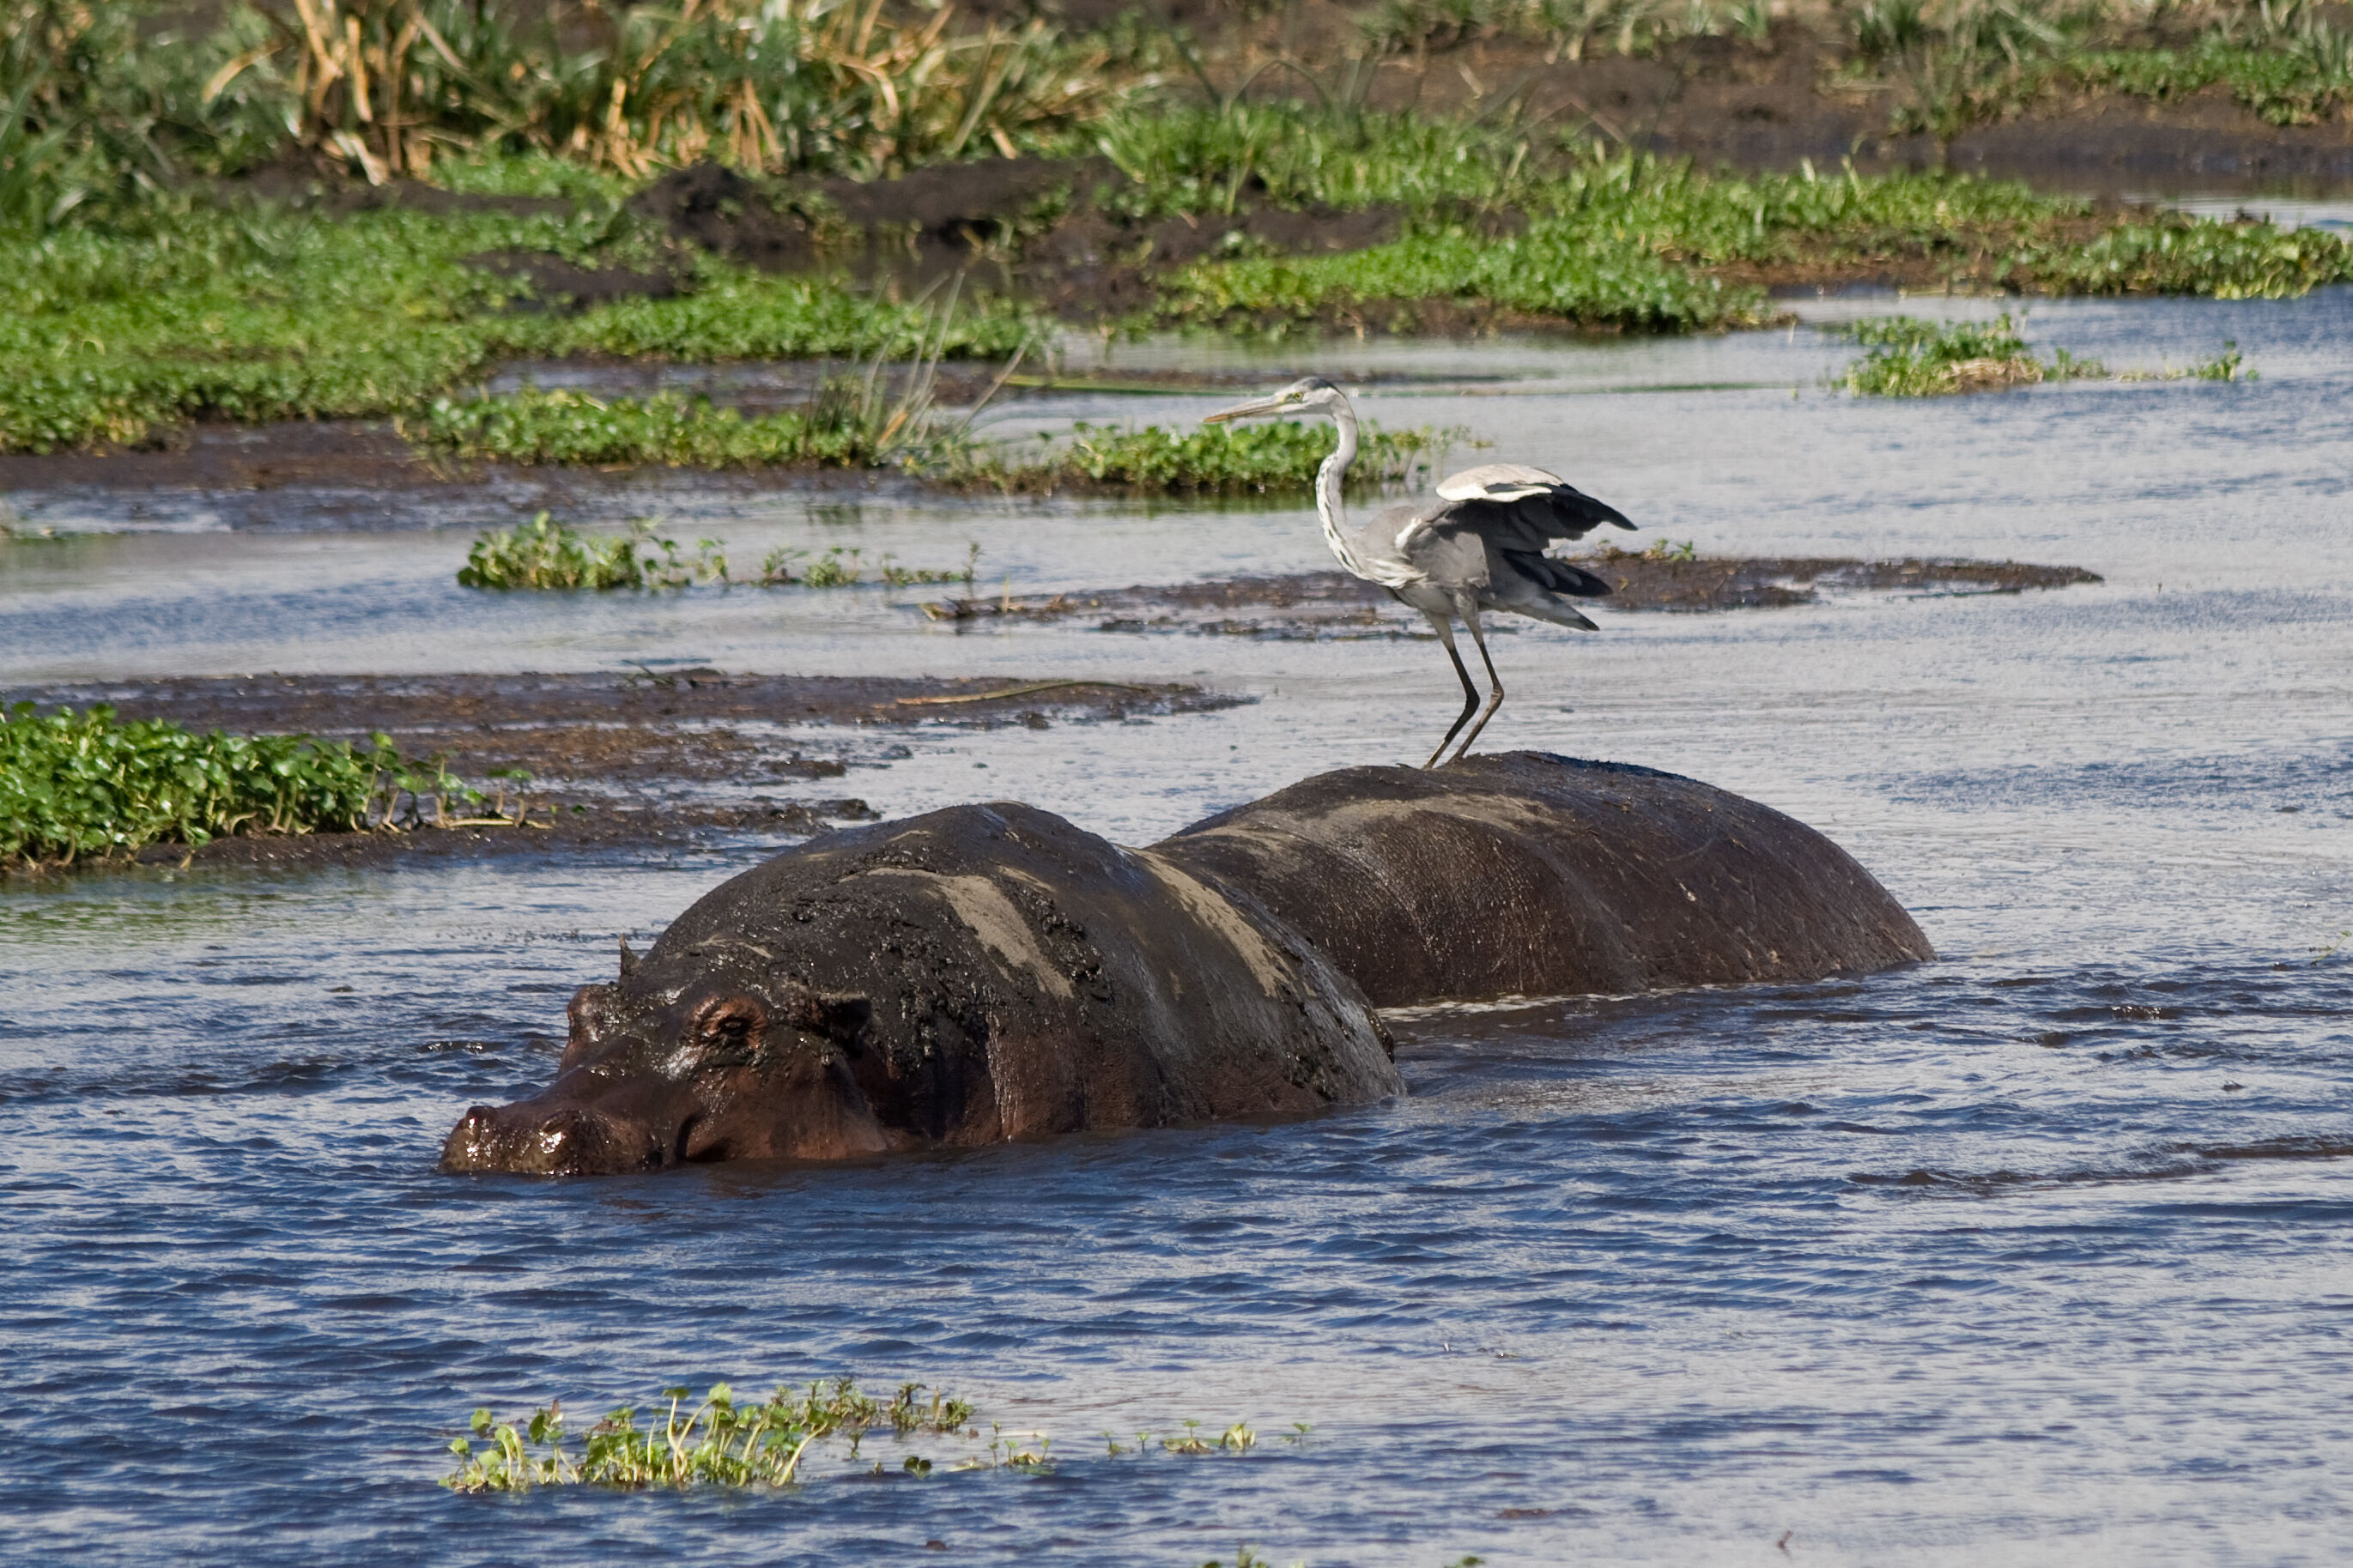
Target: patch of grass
{"type": "Point", "coordinates": [545, 555]}
{"type": "Point", "coordinates": [566, 427]}
{"type": "Point", "coordinates": [717, 1443]}
{"type": "Point", "coordinates": [75, 786]}
{"type": "Point", "coordinates": [1625, 241]}
{"type": "Point", "coordinates": [259, 314]}
{"type": "Point", "coordinates": [1237, 460]}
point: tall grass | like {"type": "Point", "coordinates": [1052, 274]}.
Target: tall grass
{"type": "Point", "coordinates": [97, 104]}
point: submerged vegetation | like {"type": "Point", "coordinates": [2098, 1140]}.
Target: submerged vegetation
{"type": "Point", "coordinates": [78, 786]}
{"type": "Point", "coordinates": [1914, 358]}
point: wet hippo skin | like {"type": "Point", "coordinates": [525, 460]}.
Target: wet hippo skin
{"type": "Point", "coordinates": [993, 972]}
{"type": "Point", "coordinates": [1526, 874]}
{"type": "Point", "coordinates": [978, 973]}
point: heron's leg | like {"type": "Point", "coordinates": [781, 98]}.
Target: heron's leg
{"type": "Point", "coordinates": [1470, 693]}
{"type": "Point", "coordinates": [1495, 698]}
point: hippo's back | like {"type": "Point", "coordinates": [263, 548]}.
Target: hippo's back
{"type": "Point", "coordinates": [1536, 875]}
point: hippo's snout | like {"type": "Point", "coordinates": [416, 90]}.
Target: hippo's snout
{"type": "Point", "coordinates": [529, 1138]}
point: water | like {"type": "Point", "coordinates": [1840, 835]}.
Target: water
{"type": "Point", "coordinates": [2034, 1253]}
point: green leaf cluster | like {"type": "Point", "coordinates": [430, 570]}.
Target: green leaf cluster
{"type": "Point", "coordinates": [1258, 458]}
{"type": "Point", "coordinates": [717, 1443]}
{"type": "Point", "coordinates": [77, 785]}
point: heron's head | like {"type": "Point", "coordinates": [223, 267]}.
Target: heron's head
{"type": "Point", "coordinates": [1308, 394]}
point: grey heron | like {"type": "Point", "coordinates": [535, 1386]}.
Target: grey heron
{"type": "Point", "coordinates": [1479, 544]}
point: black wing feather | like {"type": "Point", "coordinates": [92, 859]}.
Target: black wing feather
{"type": "Point", "coordinates": [1557, 576]}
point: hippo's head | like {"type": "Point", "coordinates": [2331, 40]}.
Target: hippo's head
{"type": "Point", "coordinates": [684, 1062]}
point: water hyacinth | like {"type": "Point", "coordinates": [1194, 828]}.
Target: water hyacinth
{"type": "Point", "coordinates": [78, 785]}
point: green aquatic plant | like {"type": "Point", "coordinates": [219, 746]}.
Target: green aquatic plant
{"type": "Point", "coordinates": [842, 566]}
{"type": "Point", "coordinates": [1915, 358]}
{"type": "Point", "coordinates": [717, 1443]}
{"type": "Point", "coordinates": [2227, 365]}
{"type": "Point", "coordinates": [1239, 461]}
{"type": "Point", "coordinates": [546, 554]}
{"type": "Point", "coordinates": [75, 786]}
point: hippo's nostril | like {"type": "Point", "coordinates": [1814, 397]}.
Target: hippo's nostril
{"type": "Point", "coordinates": [682, 1150]}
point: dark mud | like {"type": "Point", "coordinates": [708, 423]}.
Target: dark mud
{"type": "Point", "coordinates": [613, 760]}
{"type": "Point", "coordinates": [1310, 605]}
{"type": "Point", "coordinates": [316, 476]}
{"type": "Point", "coordinates": [1053, 229]}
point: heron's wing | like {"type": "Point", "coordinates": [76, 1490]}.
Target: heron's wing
{"type": "Point", "coordinates": [1497, 481]}
{"type": "Point", "coordinates": [1510, 499]}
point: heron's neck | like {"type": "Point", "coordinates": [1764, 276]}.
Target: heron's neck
{"type": "Point", "coordinates": [1328, 491]}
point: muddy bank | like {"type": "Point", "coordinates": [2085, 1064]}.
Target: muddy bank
{"type": "Point", "coordinates": [333, 475]}
{"type": "Point", "coordinates": [1058, 230]}
{"type": "Point", "coordinates": [613, 760]}
{"type": "Point", "coordinates": [1318, 605]}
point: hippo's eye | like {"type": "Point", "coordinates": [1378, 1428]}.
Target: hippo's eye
{"type": "Point", "coordinates": [730, 1021]}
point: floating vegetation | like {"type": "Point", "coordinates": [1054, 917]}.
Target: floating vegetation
{"type": "Point", "coordinates": [716, 1443]}
{"type": "Point", "coordinates": [546, 554]}
{"type": "Point", "coordinates": [842, 566]}
{"type": "Point", "coordinates": [1914, 358]}
{"type": "Point", "coordinates": [76, 785]}
{"type": "Point", "coordinates": [1241, 460]}
{"type": "Point", "coordinates": [721, 1443]}
{"type": "Point", "coordinates": [549, 555]}
{"type": "Point", "coordinates": [2227, 365]}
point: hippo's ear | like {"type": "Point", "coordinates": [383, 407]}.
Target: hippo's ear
{"type": "Point", "coordinates": [836, 1016]}
{"type": "Point", "coordinates": [628, 959]}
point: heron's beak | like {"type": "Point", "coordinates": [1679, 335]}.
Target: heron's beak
{"type": "Point", "coordinates": [1255, 407]}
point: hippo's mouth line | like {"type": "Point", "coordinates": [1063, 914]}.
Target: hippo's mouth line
{"type": "Point", "coordinates": [688, 1151]}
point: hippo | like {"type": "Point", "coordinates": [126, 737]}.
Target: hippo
{"type": "Point", "coordinates": [1532, 875]}
{"type": "Point", "coordinates": [965, 976]}
{"type": "Point", "coordinates": [993, 972]}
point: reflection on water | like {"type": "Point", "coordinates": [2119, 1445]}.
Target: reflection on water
{"type": "Point", "coordinates": [2033, 1254]}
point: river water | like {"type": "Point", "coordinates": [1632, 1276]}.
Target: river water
{"type": "Point", "coordinates": [2038, 1253]}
